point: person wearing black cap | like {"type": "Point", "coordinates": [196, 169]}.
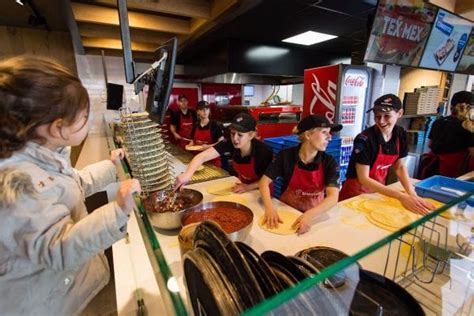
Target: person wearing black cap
{"type": "Point", "coordinates": [375, 150]}
{"type": "Point", "coordinates": [250, 157]}
{"type": "Point", "coordinates": [310, 176]}
{"type": "Point", "coordinates": [451, 143]}
{"type": "Point", "coordinates": [182, 122]}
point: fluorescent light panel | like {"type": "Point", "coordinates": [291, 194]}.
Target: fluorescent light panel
{"type": "Point", "coordinates": [309, 38]}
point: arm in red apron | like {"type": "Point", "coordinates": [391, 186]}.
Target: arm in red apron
{"type": "Point", "coordinates": [271, 218]}
{"type": "Point", "coordinates": [303, 223]}
{"type": "Point", "coordinates": [410, 200]}
{"type": "Point", "coordinates": [195, 163]}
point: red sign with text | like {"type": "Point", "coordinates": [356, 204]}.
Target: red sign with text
{"type": "Point", "coordinates": [320, 91]}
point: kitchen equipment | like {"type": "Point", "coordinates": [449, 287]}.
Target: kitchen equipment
{"type": "Point", "coordinates": [445, 189]}
{"type": "Point", "coordinates": [236, 219]}
{"type": "Point", "coordinates": [185, 238]}
{"type": "Point", "coordinates": [168, 219]}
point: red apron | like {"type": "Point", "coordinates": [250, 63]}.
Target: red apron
{"type": "Point", "coordinates": [203, 137]}
{"type": "Point", "coordinates": [185, 129]}
{"type": "Point", "coordinates": [305, 190]}
{"type": "Point", "coordinates": [450, 165]}
{"type": "Point", "coordinates": [246, 171]}
{"type": "Point", "coordinates": [378, 172]}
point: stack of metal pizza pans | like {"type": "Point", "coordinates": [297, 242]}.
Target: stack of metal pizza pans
{"type": "Point", "coordinates": [227, 278]}
{"type": "Point", "coordinates": [145, 150]}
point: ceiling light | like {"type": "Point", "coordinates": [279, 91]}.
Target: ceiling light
{"type": "Point", "coordinates": [20, 2]}
{"type": "Point", "coordinates": [266, 52]}
{"type": "Point", "coordinates": [309, 38]}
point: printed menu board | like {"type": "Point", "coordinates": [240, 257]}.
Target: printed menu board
{"type": "Point", "coordinates": [466, 64]}
{"type": "Point", "coordinates": [399, 32]}
{"type": "Point", "coordinates": [447, 41]}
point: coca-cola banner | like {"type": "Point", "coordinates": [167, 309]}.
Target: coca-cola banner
{"type": "Point", "coordinates": [320, 91]}
{"type": "Point", "coordinates": [400, 31]}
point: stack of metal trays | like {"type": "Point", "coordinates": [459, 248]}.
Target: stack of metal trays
{"type": "Point", "coordinates": [145, 151]}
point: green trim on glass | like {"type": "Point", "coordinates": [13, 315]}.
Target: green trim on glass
{"type": "Point", "coordinates": [164, 268]}
{"type": "Point", "coordinates": [290, 293]}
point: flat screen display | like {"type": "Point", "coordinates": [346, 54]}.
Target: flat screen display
{"type": "Point", "coordinates": [415, 33]}
{"type": "Point", "coordinates": [447, 41]}
{"type": "Point", "coordinates": [399, 32]}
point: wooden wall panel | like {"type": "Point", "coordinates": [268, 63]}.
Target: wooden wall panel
{"type": "Point", "coordinates": [18, 41]}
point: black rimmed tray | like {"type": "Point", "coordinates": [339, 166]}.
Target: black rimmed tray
{"type": "Point", "coordinates": [213, 239]}
{"type": "Point", "coordinates": [394, 299]}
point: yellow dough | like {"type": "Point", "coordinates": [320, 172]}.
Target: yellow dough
{"type": "Point", "coordinates": [236, 198]}
{"type": "Point", "coordinates": [221, 189]}
{"type": "Point", "coordinates": [194, 147]}
{"type": "Point", "coordinates": [284, 228]}
{"type": "Point", "coordinates": [390, 219]}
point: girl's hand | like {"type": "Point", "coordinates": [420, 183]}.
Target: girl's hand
{"type": "Point", "coordinates": [271, 219]}
{"type": "Point", "coordinates": [302, 224]}
{"type": "Point", "coordinates": [416, 204]}
{"type": "Point", "coordinates": [124, 194]}
{"type": "Point", "coordinates": [116, 155]}
{"type": "Point", "coordinates": [181, 180]}
{"type": "Point", "coordinates": [240, 188]}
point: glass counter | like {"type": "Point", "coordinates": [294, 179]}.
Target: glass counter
{"type": "Point", "coordinates": [425, 267]}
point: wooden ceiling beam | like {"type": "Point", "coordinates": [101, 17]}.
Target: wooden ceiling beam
{"type": "Point", "coordinates": [137, 56]}
{"type": "Point", "coordinates": [189, 8]}
{"type": "Point", "coordinates": [110, 43]}
{"type": "Point", "coordinates": [108, 16]}
{"type": "Point", "coordinates": [112, 31]}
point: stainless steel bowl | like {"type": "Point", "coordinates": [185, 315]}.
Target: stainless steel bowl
{"type": "Point", "coordinates": [238, 235]}
{"type": "Point", "coordinates": [172, 220]}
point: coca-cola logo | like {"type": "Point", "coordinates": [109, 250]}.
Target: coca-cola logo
{"type": "Point", "coordinates": [354, 81]}
{"type": "Point", "coordinates": [326, 98]}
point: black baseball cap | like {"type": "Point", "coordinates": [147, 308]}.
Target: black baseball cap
{"type": "Point", "coordinates": [462, 97]}
{"type": "Point", "coordinates": [313, 121]}
{"type": "Point", "coordinates": [387, 103]}
{"type": "Point", "coordinates": [243, 123]}
{"type": "Point", "coordinates": [182, 96]}
{"type": "Point", "coordinates": [202, 105]}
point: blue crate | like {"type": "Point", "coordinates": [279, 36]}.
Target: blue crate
{"type": "Point", "coordinates": [439, 188]}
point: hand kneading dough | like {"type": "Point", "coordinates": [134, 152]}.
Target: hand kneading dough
{"type": "Point", "coordinates": [221, 189]}
{"type": "Point", "coordinates": [231, 198]}
{"type": "Point", "coordinates": [284, 228]}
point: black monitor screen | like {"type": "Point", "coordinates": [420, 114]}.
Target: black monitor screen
{"type": "Point", "coordinates": [159, 88]}
{"type": "Point", "coordinates": [114, 96]}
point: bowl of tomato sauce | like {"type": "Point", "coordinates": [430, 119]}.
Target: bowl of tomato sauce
{"type": "Point", "coordinates": [234, 218]}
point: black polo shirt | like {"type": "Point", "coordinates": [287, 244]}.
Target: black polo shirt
{"type": "Point", "coordinates": [214, 126]}
{"type": "Point", "coordinates": [263, 155]}
{"type": "Point", "coordinates": [366, 147]}
{"type": "Point", "coordinates": [176, 117]}
{"type": "Point", "coordinates": [285, 162]}
{"type": "Point", "coordinates": [448, 136]}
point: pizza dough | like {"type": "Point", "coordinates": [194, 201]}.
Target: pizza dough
{"type": "Point", "coordinates": [221, 189]}
{"type": "Point", "coordinates": [284, 228]}
{"type": "Point", "coordinates": [194, 147]}
{"type": "Point", "coordinates": [236, 198]}
{"type": "Point", "coordinates": [390, 219]}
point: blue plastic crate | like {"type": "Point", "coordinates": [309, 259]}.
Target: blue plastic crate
{"type": "Point", "coordinates": [444, 189]}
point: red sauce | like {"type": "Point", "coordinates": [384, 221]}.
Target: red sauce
{"type": "Point", "coordinates": [230, 219]}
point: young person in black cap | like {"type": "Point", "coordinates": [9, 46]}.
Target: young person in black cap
{"type": "Point", "coordinates": [250, 157]}
{"type": "Point", "coordinates": [452, 145]}
{"type": "Point", "coordinates": [310, 176]}
{"type": "Point", "coordinates": [182, 122]}
{"type": "Point", "coordinates": [375, 150]}
{"type": "Point", "coordinates": [206, 132]}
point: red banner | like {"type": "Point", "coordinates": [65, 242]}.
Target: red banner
{"type": "Point", "coordinates": [320, 91]}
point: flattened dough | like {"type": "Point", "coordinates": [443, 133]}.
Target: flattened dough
{"type": "Point", "coordinates": [391, 220]}
{"type": "Point", "coordinates": [236, 198]}
{"type": "Point", "coordinates": [194, 147]}
{"type": "Point", "coordinates": [284, 228]}
{"type": "Point", "coordinates": [221, 189]}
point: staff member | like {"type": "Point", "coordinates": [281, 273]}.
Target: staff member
{"type": "Point", "coordinates": [310, 176]}
{"type": "Point", "coordinates": [206, 132]}
{"type": "Point", "coordinates": [452, 145]}
{"type": "Point", "coordinates": [375, 150]}
{"type": "Point", "coordinates": [182, 122]}
{"type": "Point", "coordinates": [250, 157]}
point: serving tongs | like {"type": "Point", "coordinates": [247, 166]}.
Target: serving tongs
{"type": "Point", "coordinates": [169, 194]}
